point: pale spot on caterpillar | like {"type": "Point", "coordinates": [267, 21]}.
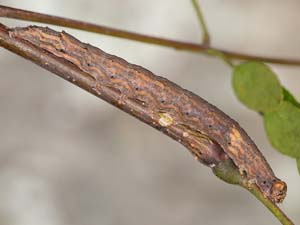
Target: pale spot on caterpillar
{"type": "Point", "coordinates": [212, 165]}
{"type": "Point", "coordinates": [251, 181]}
{"type": "Point", "coordinates": [236, 133]}
{"type": "Point", "coordinates": [185, 134]}
{"type": "Point", "coordinates": [235, 137]}
{"type": "Point", "coordinates": [242, 170]}
{"type": "Point", "coordinates": [96, 88]}
{"type": "Point", "coordinates": [165, 119]}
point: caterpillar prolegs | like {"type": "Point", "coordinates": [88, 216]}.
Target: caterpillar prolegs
{"type": "Point", "coordinates": [179, 113]}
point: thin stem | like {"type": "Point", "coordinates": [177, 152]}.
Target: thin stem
{"type": "Point", "coordinates": [44, 18]}
{"type": "Point", "coordinates": [14, 13]}
{"type": "Point", "coordinates": [221, 56]}
{"type": "Point", "coordinates": [206, 36]}
{"type": "Point", "coordinates": [275, 210]}
{"type": "Point", "coordinates": [228, 172]}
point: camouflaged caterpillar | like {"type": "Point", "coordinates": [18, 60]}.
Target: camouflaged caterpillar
{"type": "Point", "coordinates": [177, 112]}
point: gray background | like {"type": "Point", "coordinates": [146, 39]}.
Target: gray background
{"type": "Point", "coordinates": [67, 157]}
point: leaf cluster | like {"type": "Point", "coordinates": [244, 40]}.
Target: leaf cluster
{"type": "Point", "coordinates": [259, 88]}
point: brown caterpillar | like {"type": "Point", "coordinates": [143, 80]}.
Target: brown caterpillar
{"type": "Point", "coordinates": [177, 112]}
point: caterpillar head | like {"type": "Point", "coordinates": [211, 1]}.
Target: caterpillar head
{"type": "Point", "coordinates": [278, 191]}
{"type": "Point", "coordinates": [274, 189]}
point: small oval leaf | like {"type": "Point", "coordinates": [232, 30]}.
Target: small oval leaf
{"type": "Point", "coordinates": [257, 86]}
{"type": "Point", "coordinates": [283, 129]}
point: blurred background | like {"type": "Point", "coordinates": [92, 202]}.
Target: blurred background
{"type": "Point", "coordinates": [67, 157]}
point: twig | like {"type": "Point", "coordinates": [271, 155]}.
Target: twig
{"type": "Point", "coordinates": [206, 36]}
{"type": "Point", "coordinates": [221, 56]}
{"type": "Point", "coordinates": [9, 12]}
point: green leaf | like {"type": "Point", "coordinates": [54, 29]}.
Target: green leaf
{"type": "Point", "coordinates": [287, 96]}
{"type": "Point", "coordinates": [257, 86]}
{"type": "Point", "coordinates": [283, 129]}
{"type": "Point", "coordinates": [298, 164]}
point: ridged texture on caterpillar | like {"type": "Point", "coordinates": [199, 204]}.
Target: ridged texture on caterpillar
{"type": "Point", "coordinates": [181, 114]}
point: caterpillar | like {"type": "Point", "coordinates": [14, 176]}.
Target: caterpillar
{"type": "Point", "coordinates": [179, 113]}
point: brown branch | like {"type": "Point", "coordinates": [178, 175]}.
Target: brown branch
{"type": "Point", "coordinates": [9, 12]}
